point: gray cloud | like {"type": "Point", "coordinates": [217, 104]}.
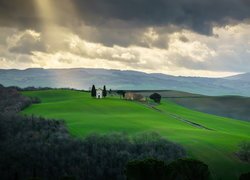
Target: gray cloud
{"type": "Point", "coordinates": [198, 15]}
{"type": "Point", "coordinates": [119, 15]}
{"type": "Point", "coordinates": [120, 22]}
{"type": "Point", "coordinates": [25, 43]}
{"type": "Point", "coordinates": [115, 24]}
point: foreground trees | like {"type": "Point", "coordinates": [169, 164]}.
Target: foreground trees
{"type": "Point", "coordinates": [187, 169]}
{"type": "Point", "coordinates": [12, 101]}
{"type": "Point", "coordinates": [245, 176]}
{"type": "Point", "coordinates": [182, 169]}
{"type": "Point", "coordinates": [32, 147]}
{"type": "Point", "coordinates": [148, 169]}
{"type": "Point", "coordinates": [244, 152]}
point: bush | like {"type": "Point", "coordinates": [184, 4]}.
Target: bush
{"type": "Point", "coordinates": [121, 93]}
{"type": "Point", "coordinates": [245, 176]}
{"type": "Point", "coordinates": [244, 152]}
{"type": "Point", "coordinates": [148, 169]}
{"type": "Point", "coordinates": [182, 169]}
{"type": "Point", "coordinates": [156, 97]}
{"type": "Point", "coordinates": [186, 169]}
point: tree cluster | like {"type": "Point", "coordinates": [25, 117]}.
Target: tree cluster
{"type": "Point", "coordinates": [32, 147]}
{"type": "Point", "coordinates": [181, 169]}
{"type": "Point", "coordinates": [13, 101]}
{"type": "Point", "coordinates": [155, 97]}
{"type": "Point", "coordinates": [121, 93]}
{"type": "Point", "coordinates": [245, 176]}
{"type": "Point", "coordinates": [244, 152]}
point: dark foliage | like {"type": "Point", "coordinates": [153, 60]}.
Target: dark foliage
{"type": "Point", "coordinates": [32, 88]}
{"type": "Point", "coordinates": [32, 147]}
{"type": "Point", "coordinates": [244, 152]}
{"type": "Point", "coordinates": [11, 101]}
{"type": "Point", "coordinates": [181, 169]}
{"type": "Point", "coordinates": [187, 169]}
{"type": "Point", "coordinates": [245, 176]}
{"type": "Point", "coordinates": [156, 97]}
{"type": "Point", "coordinates": [148, 169]}
{"type": "Point", "coordinates": [93, 91]}
{"type": "Point", "coordinates": [121, 93]}
{"type": "Point", "coordinates": [104, 91]}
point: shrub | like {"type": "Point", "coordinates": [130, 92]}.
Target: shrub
{"type": "Point", "coordinates": [186, 169]}
{"type": "Point", "coordinates": [121, 93]}
{"type": "Point", "coordinates": [245, 176]}
{"type": "Point", "coordinates": [244, 152]}
{"type": "Point", "coordinates": [148, 169]}
{"type": "Point", "coordinates": [156, 97]}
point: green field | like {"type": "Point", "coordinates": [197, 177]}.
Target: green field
{"type": "Point", "coordinates": [214, 142]}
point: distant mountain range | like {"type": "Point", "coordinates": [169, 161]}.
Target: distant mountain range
{"type": "Point", "coordinates": [82, 78]}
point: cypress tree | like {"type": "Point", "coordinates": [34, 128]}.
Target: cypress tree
{"type": "Point", "coordinates": [93, 91]}
{"type": "Point", "coordinates": [104, 91]}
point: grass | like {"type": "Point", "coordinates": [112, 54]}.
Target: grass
{"type": "Point", "coordinates": [84, 115]}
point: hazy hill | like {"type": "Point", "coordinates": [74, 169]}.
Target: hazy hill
{"type": "Point", "coordinates": [82, 78]}
{"type": "Point", "coordinates": [241, 77]}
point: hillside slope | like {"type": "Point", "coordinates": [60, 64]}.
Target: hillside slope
{"type": "Point", "coordinates": [209, 138]}
{"type": "Point", "coordinates": [236, 107]}
{"type": "Point", "coordinates": [83, 78]}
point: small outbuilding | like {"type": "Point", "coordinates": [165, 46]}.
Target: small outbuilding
{"type": "Point", "coordinates": [99, 93]}
{"type": "Point", "coordinates": [134, 97]}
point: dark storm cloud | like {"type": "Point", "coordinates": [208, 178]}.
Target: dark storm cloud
{"type": "Point", "coordinates": [17, 13]}
{"type": "Point", "coordinates": [194, 14]}
{"type": "Point", "coordinates": [198, 15]}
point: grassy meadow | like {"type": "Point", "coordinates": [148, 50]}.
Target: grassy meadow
{"type": "Point", "coordinates": [214, 141]}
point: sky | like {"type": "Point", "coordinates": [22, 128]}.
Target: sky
{"type": "Point", "coordinates": [208, 38]}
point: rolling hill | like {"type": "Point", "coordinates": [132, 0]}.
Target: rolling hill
{"type": "Point", "coordinates": [83, 78]}
{"type": "Point", "coordinates": [209, 138]}
{"type": "Point", "coordinates": [235, 107]}
{"type": "Point", "coordinates": [241, 77]}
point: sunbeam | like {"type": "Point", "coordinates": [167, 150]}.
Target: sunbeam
{"type": "Point", "coordinates": [45, 11]}
{"type": "Point", "coordinates": [52, 16]}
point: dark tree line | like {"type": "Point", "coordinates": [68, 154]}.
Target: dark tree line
{"type": "Point", "coordinates": [11, 101]}
{"type": "Point", "coordinates": [121, 93]}
{"type": "Point", "coordinates": [181, 169]}
{"type": "Point", "coordinates": [245, 176]}
{"type": "Point", "coordinates": [32, 147]}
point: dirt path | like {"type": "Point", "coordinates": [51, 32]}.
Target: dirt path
{"type": "Point", "coordinates": [175, 116]}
